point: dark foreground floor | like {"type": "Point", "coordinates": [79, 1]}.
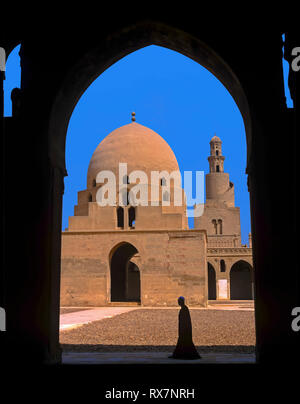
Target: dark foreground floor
{"type": "Point", "coordinates": [156, 330]}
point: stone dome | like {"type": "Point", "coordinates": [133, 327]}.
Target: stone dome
{"type": "Point", "coordinates": [138, 146]}
{"type": "Point", "coordinates": [215, 139]}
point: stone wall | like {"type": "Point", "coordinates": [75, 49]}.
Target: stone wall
{"type": "Point", "coordinates": [171, 263]}
{"type": "Point", "coordinates": [91, 216]}
{"type": "Point", "coordinates": [230, 220]}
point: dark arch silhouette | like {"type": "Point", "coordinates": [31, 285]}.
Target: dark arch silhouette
{"type": "Point", "coordinates": [275, 294]}
{"type": "Point", "coordinates": [211, 282]}
{"type": "Point", "coordinates": [90, 65]}
{"type": "Point", "coordinates": [100, 55]}
{"type": "Point", "coordinates": [241, 281]}
{"type": "Point", "coordinates": [124, 274]}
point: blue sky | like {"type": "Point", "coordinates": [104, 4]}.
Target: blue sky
{"type": "Point", "coordinates": [171, 94]}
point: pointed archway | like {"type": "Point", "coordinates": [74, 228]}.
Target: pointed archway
{"type": "Point", "coordinates": [211, 281]}
{"type": "Point", "coordinates": [124, 274]}
{"type": "Point", "coordinates": [241, 281]}
{"type": "Point", "coordinates": [87, 63]}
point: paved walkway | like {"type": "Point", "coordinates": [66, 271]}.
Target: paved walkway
{"type": "Point", "coordinates": [78, 318]}
{"type": "Point", "coordinates": [232, 306]}
{"type": "Point", "coordinates": [117, 358]}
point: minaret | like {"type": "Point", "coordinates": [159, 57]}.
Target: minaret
{"type": "Point", "coordinates": [220, 217]}
{"type": "Point", "coordinates": [216, 160]}
{"type": "Point", "coordinates": [218, 186]}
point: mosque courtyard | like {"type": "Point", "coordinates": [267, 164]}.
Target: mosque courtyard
{"type": "Point", "coordinates": [221, 333]}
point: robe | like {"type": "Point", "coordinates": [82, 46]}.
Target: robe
{"type": "Point", "coordinates": [185, 348]}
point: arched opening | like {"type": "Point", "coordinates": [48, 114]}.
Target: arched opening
{"type": "Point", "coordinates": [121, 269]}
{"type": "Point", "coordinates": [12, 82]}
{"type": "Point", "coordinates": [222, 266]}
{"type": "Point", "coordinates": [211, 281]}
{"type": "Point", "coordinates": [120, 217]}
{"type": "Point", "coordinates": [214, 222]}
{"type": "Point", "coordinates": [241, 281]}
{"type": "Point", "coordinates": [131, 217]}
{"type": "Point", "coordinates": [88, 73]}
{"type": "Point", "coordinates": [220, 223]}
{"type": "Point", "coordinates": [124, 274]}
{"type": "Point", "coordinates": [286, 68]}
{"type": "Point", "coordinates": [96, 60]}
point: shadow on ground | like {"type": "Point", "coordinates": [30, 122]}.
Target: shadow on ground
{"type": "Point", "coordinates": [247, 349]}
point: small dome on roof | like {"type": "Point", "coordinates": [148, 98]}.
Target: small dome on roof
{"type": "Point", "coordinates": [215, 139]}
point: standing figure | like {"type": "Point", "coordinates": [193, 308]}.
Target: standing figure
{"type": "Point", "coordinates": [185, 348]}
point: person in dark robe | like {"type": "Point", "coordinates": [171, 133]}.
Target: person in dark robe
{"type": "Point", "coordinates": [185, 348]}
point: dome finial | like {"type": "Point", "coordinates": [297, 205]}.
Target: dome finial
{"type": "Point", "coordinates": [133, 116]}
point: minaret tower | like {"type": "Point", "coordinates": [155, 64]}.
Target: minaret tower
{"type": "Point", "coordinates": [218, 187]}
{"type": "Point", "coordinates": [220, 217]}
{"type": "Point", "coordinates": [216, 160]}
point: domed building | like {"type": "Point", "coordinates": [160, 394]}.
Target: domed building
{"type": "Point", "coordinates": [129, 241]}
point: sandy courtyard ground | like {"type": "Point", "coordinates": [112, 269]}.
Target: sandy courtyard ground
{"type": "Point", "coordinates": [157, 330]}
